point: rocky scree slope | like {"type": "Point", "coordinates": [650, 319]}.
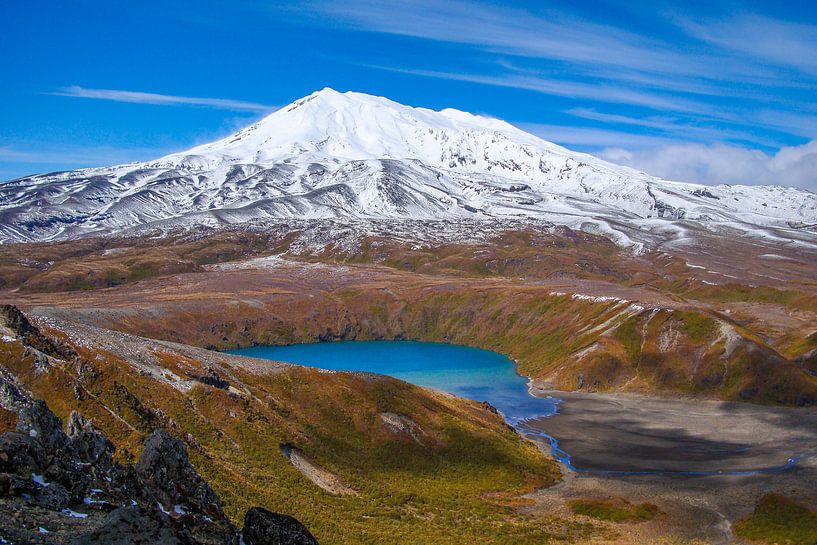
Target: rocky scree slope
{"type": "Point", "coordinates": [356, 156]}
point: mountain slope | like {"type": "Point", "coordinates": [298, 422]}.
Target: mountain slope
{"type": "Point", "coordinates": [355, 156]}
{"type": "Point", "coordinates": [233, 413]}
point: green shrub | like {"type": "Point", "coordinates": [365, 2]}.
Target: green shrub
{"type": "Point", "coordinates": [698, 326]}
{"type": "Point", "coordinates": [779, 520]}
{"type": "Point", "coordinates": [629, 336]}
{"type": "Point", "coordinates": [614, 510]}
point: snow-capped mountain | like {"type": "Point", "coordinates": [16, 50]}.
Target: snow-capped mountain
{"type": "Point", "coordinates": [359, 157]}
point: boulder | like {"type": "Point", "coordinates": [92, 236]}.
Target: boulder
{"type": "Point", "coordinates": [52, 496]}
{"type": "Point", "coordinates": [134, 526]}
{"type": "Point", "coordinates": [12, 484]}
{"type": "Point", "coordinates": [86, 444]}
{"type": "Point", "coordinates": [21, 454]}
{"type": "Point", "coordinates": [262, 527]}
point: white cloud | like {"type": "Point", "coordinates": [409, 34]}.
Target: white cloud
{"type": "Point", "coordinates": [154, 98]}
{"type": "Point", "coordinates": [724, 164]}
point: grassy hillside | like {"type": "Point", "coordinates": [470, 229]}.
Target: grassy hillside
{"type": "Point", "coordinates": [567, 342]}
{"type": "Point", "coordinates": [574, 310]}
{"type": "Point", "coordinates": [449, 487]}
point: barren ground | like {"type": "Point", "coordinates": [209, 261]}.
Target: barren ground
{"type": "Point", "coordinates": [626, 432]}
{"type": "Point", "coordinates": [631, 433]}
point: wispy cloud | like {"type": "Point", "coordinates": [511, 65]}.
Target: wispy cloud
{"type": "Point", "coordinates": [75, 156]}
{"type": "Point", "coordinates": [591, 137]}
{"type": "Point", "coordinates": [509, 31]}
{"type": "Point", "coordinates": [725, 67]}
{"type": "Point", "coordinates": [566, 88]}
{"type": "Point", "coordinates": [792, 122]}
{"type": "Point", "coordinates": [140, 97]}
{"type": "Point", "coordinates": [674, 127]}
{"type": "Point", "coordinates": [569, 38]}
{"type": "Point", "coordinates": [784, 43]}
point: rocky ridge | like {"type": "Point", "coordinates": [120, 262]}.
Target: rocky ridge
{"type": "Point", "coordinates": [63, 486]}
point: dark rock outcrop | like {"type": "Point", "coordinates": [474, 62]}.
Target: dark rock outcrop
{"type": "Point", "coordinates": [65, 487]}
{"type": "Point", "coordinates": [87, 445]}
{"type": "Point", "coordinates": [262, 527]}
{"type": "Point", "coordinates": [165, 468]}
{"type": "Point", "coordinates": [20, 454]}
{"type": "Point", "coordinates": [37, 421]}
{"type": "Point", "coordinates": [212, 378]}
{"type": "Point", "coordinates": [52, 496]}
{"type": "Point", "coordinates": [11, 397]}
{"type": "Point", "coordinates": [488, 407]}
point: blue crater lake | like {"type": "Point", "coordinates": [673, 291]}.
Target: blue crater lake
{"type": "Point", "coordinates": [461, 370]}
{"type": "Point", "coordinates": [475, 374]}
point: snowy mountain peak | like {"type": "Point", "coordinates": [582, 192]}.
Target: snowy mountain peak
{"type": "Point", "coordinates": [347, 126]}
{"type": "Point", "coordinates": [360, 157]}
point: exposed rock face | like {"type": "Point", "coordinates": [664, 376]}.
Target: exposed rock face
{"type": "Point", "coordinates": [212, 378]}
{"type": "Point", "coordinates": [261, 527]}
{"type": "Point", "coordinates": [404, 426]}
{"type": "Point", "coordinates": [11, 397]}
{"type": "Point", "coordinates": [58, 487]}
{"type": "Point", "coordinates": [16, 322]}
{"type": "Point", "coordinates": [166, 470]}
{"type": "Point", "coordinates": [87, 444]}
{"type": "Point", "coordinates": [488, 407]}
{"type": "Point", "coordinates": [38, 422]}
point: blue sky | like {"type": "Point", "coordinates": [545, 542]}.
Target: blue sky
{"type": "Point", "coordinates": [706, 91]}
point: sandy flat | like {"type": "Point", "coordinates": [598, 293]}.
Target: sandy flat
{"type": "Point", "coordinates": [633, 433]}
{"type": "Point", "coordinates": [636, 433]}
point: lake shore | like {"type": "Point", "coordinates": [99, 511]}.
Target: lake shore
{"type": "Point", "coordinates": [628, 432]}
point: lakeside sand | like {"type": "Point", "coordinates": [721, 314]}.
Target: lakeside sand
{"type": "Point", "coordinates": [632, 432]}
{"type": "Point", "coordinates": [625, 432]}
